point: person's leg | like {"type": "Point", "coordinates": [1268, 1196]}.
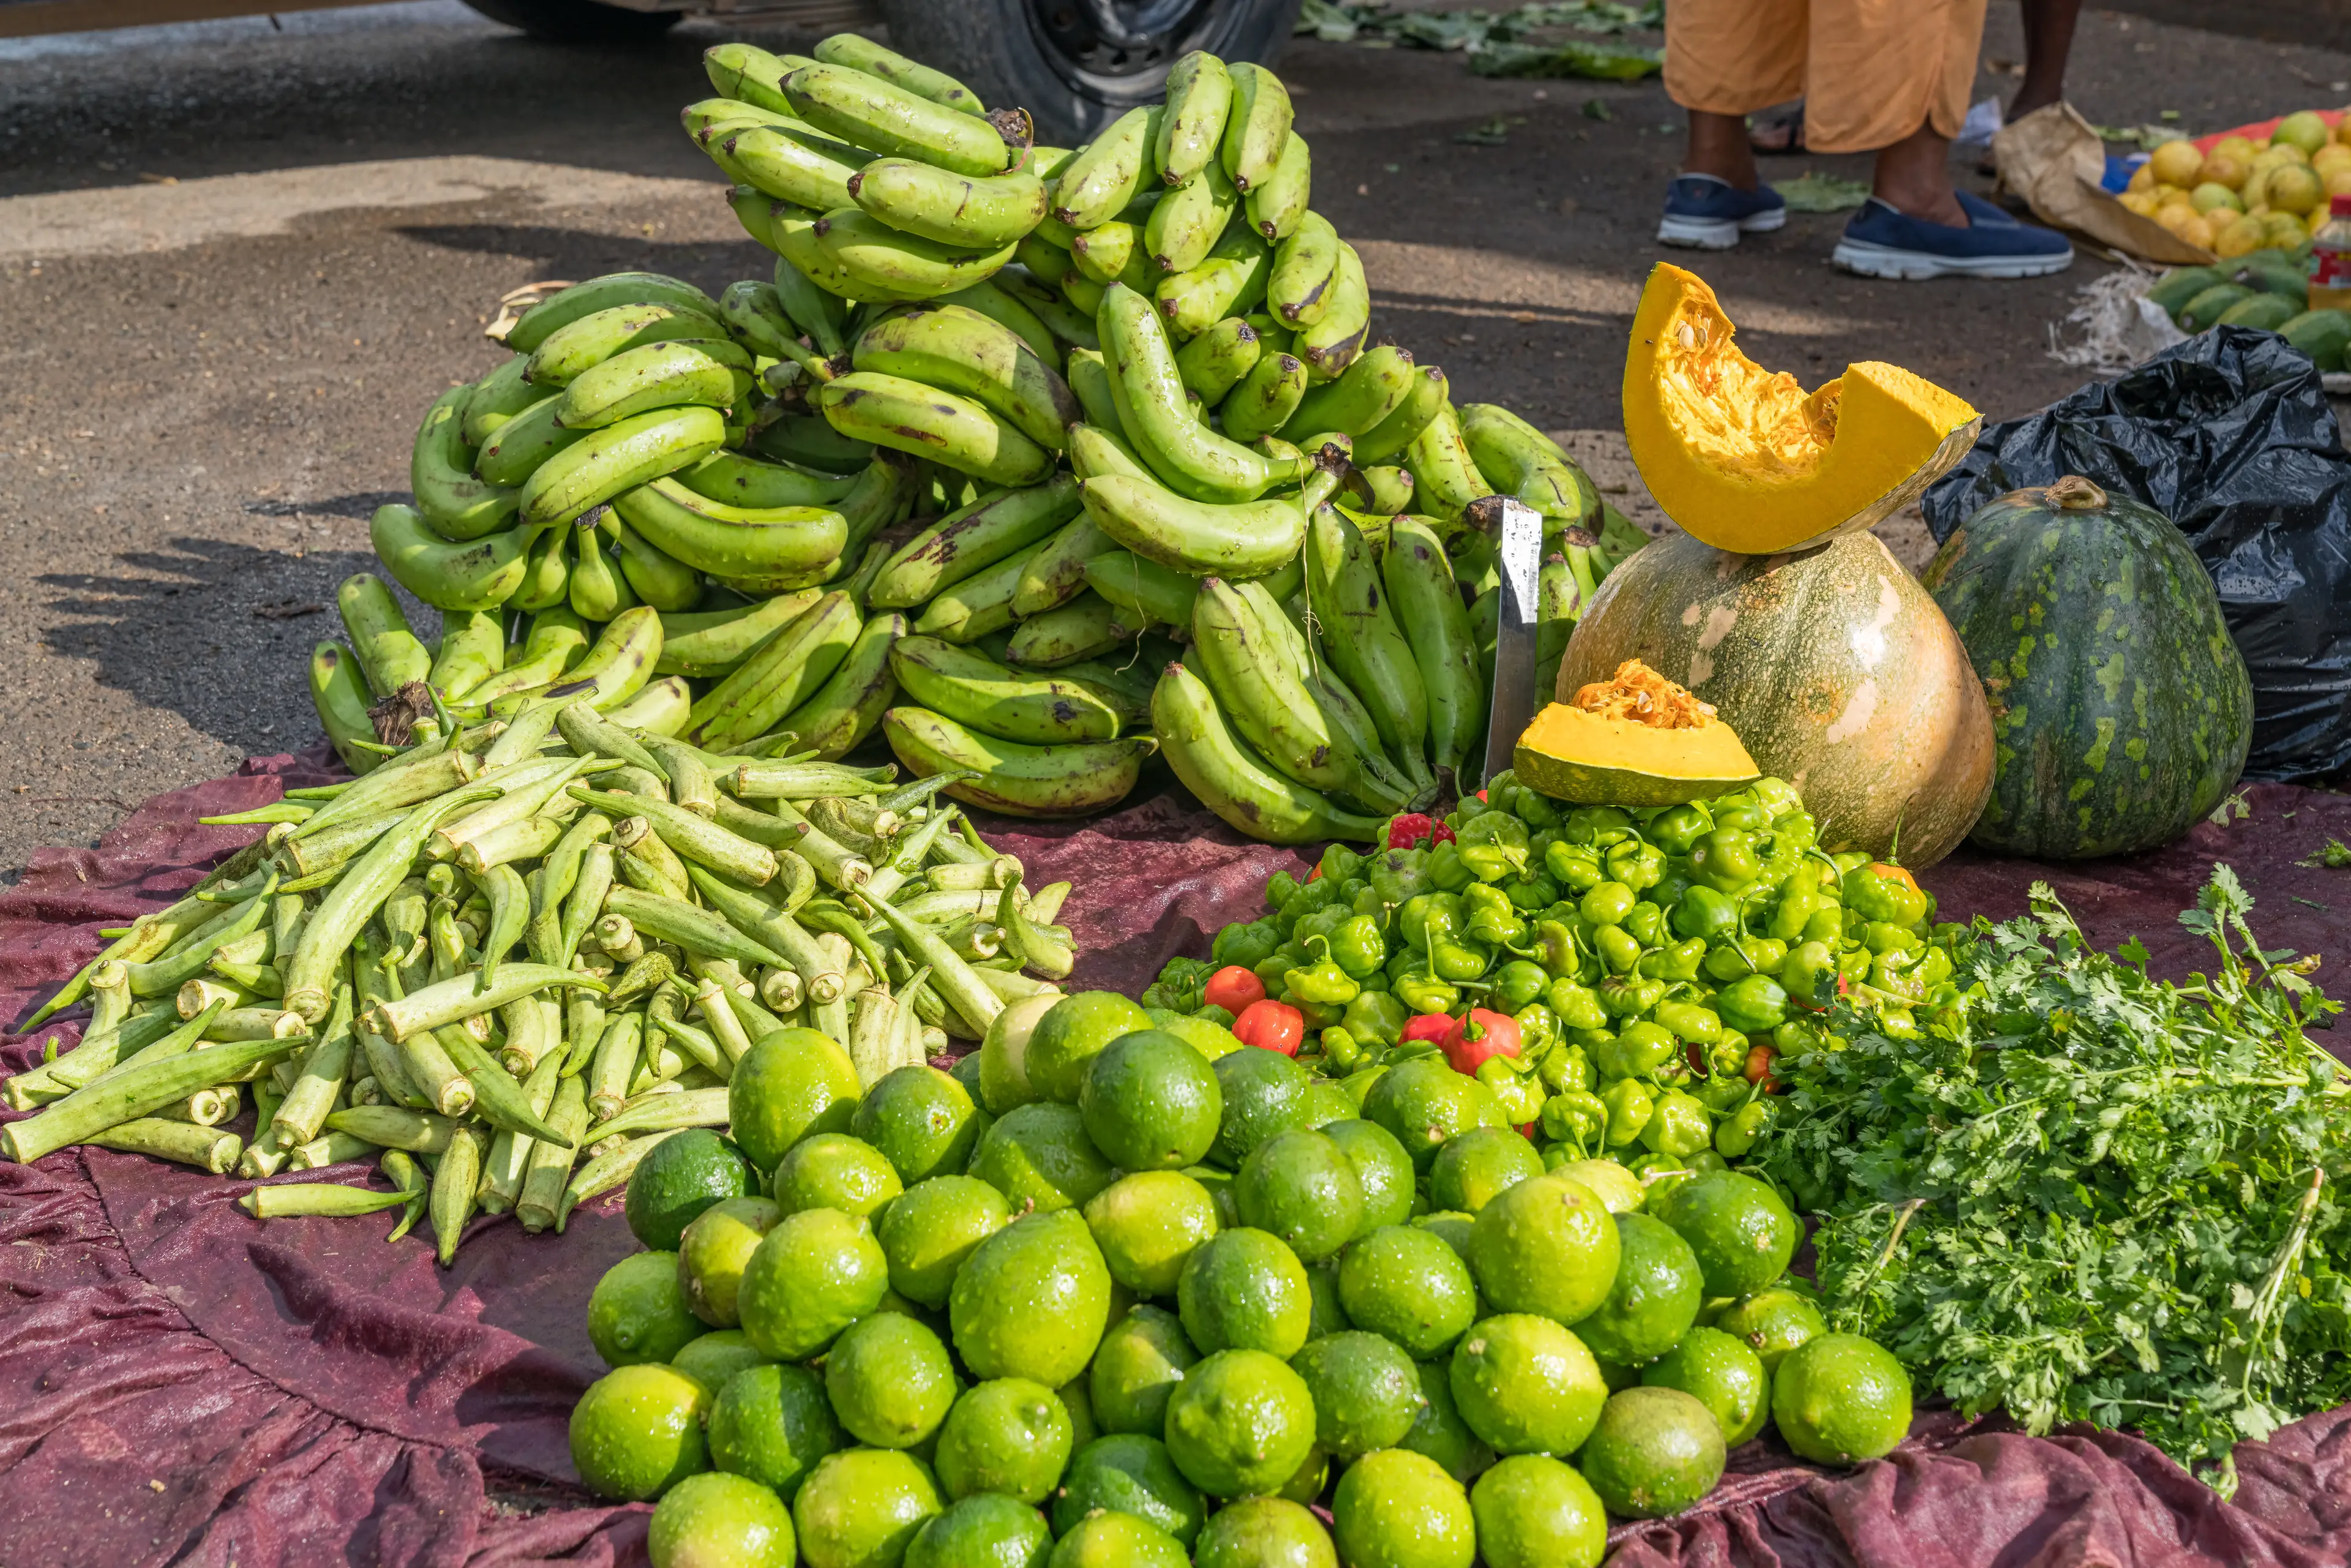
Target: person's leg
{"type": "Point", "coordinates": [1718, 146]}
{"type": "Point", "coordinates": [1913, 176]}
{"type": "Point", "coordinates": [2048, 40]}
{"type": "Point", "coordinates": [1724, 59]}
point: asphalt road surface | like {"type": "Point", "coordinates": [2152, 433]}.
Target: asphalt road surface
{"type": "Point", "coordinates": [237, 259]}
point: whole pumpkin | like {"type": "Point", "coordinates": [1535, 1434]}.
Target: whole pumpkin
{"type": "Point", "coordinates": [2121, 708]}
{"type": "Point", "coordinates": [1832, 664]}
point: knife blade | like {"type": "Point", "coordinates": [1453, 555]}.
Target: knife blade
{"type": "Point", "coordinates": [1517, 538]}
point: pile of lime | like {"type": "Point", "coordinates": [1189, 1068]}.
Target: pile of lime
{"type": "Point", "coordinates": [1120, 1290]}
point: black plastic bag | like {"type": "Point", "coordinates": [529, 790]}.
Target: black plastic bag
{"type": "Point", "coordinates": [2231, 436]}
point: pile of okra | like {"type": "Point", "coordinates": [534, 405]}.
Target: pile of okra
{"type": "Point", "coordinates": [512, 957]}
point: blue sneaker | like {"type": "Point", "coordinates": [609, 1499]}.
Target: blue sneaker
{"type": "Point", "coordinates": [1881, 242]}
{"type": "Point", "coordinates": [1980, 212]}
{"type": "Point", "coordinates": [1710, 213]}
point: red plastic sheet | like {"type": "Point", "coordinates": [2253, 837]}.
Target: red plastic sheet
{"type": "Point", "coordinates": [180, 1384]}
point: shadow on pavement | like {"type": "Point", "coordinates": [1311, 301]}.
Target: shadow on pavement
{"type": "Point", "coordinates": [152, 629]}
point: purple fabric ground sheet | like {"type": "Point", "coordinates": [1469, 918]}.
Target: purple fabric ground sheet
{"type": "Point", "coordinates": [180, 1384]}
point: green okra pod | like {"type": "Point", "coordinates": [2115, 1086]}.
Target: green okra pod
{"type": "Point", "coordinates": [212, 1149]}
{"type": "Point", "coordinates": [551, 885]}
{"type": "Point", "coordinates": [839, 866]}
{"type": "Point", "coordinates": [644, 860]}
{"type": "Point", "coordinates": [527, 729]}
{"type": "Point", "coordinates": [534, 1033]}
{"type": "Point", "coordinates": [741, 994]}
{"type": "Point", "coordinates": [509, 912]}
{"type": "Point", "coordinates": [592, 735]}
{"type": "Point", "coordinates": [727, 1029]}
{"type": "Point", "coordinates": [583, 1026]}
{"type": "Point", "coordinates": [691, 788]}
{"type": "Point", "coordinates": [907, 855]}
{"type": "Point", "coordinates": [164, 976]}
{"type": "Point", "coordinates": [97, 1053]}
{"type": "Point", "coordinates": [524, 790]}
{"type": "Point", "coordinates": [586, 901]}
{"type": "Point", "coordinates": [389, 1127]}
{"type": "Point", "coordinates": [138, 1089]}
{"type": "Point", "coordinates": [149, 937]}
{"type": "Point", "coordinates": [399, 785]}
{"type": "Point", "coordinates": [326, 1069]}
{"type": "Point", "coordinates": [346, 908]}
{"type": "Point", "coordinates": [456, 1183]}
{"type": "Point", "coordinates": [665, 1112]}
{"type": "Point", "coordinates": [409, 1179]}
{"type": "Point", "coordinates": [330, 1148]}
{"type": "Point", "coordinates": [290, 1200]}
{"type": "Point", "coordinates": [694, 929]}
{"type": "Point", "coordinates": [509, 1157]}
{"type": "Point", "coordinates": [952, 978]}
{"type": "Point", "coordinates": [919, 792]}
{"type": "Point", "coordinates": [176, 1043]}
{"type": "Point", "coordinates": [507, 842]}
{"type": "Point", "coordinates": [785, 937]}
{"type": "Point", "coordinates": [381, 1058]}
{"type": "Point", "coordinates": [605, 1172]}
{"type": "Point", "coordinates": [644, 974]}
{"type": "Point", "coordinates": [451, 1000]}
{"type": "Point", "coordinates": [696, 839]}
{"type": "Point", "coordinates": [497, 1098]}
{"type": "Point", "coordinates": [614, 1067]}
{"type": "Point", "coordinates": [806, 780]}
{"type": "Point", "coordinates": [552, 1159]}
{"type": "Point", "coordinates": [336, 847]}
{"type": "Point", "coordinates": [1046, 902]}
{"type": "Point", "coordinates": [759, 827]}
{"type": "Point", "coordinates": [254, 981]}
{"type": "Point", "coordinates": [1039, 949]}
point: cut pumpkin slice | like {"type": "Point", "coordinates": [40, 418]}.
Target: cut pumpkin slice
{"type": "Point", "coordinates": [1635, 739]}
{"type": "Point", "coordinates": [1744, 459]}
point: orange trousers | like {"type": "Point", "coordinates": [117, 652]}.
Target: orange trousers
{"type": "Point", "coordinates": [1870, 72]}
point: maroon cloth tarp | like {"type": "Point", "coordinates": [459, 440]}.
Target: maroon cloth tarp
{"type": "Point", "coordinates": [180, 1384]}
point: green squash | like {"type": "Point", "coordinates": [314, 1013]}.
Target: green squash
{"type": "Point", "coordinates": [2174, 288]}
{"type": "Point", "coordinates": [2121, 708]}
{"type": "Point", "coordinates": [2267, 312]}
{"type": "Point", "coordinates": [2324, 335]}
{"type": "Point", "coordinates": [2205, 309]}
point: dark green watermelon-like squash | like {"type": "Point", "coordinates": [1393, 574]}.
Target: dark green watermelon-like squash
{"type": "Point", "coordinates": [2121, 708]}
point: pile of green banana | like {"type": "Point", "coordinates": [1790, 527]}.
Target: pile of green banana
{"type": "Point", "coordinates": [515, 954]}
{"type": "Point", "coordinates": [1163, 311]}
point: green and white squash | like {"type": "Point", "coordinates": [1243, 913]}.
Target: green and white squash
{"type": "Point", "coordinates": [2121, 708]}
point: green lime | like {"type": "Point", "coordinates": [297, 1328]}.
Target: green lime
{"type": "Point", "coordinates": [1039, 1157]}
{"type": "Point", "coordinates": [833, 1170]}
{"type": "Point", "coordinates": [1117, 1540]}
{"type": "Point", "coordinates": [1545, 1246]}
{"type": "Point", "coordinates": [1306, 1482]}
{"type": "Point", "coordinates": [1004, 1053]}
{"type": "Point", "coordinates": [1031, 1300]}
{"type": "Point", "coordinates": [1070, 1034]}
{"type": "Point", "coordinates": [793, 1082]}
{"type": "Point", "coordinates": [1147, 1225]}
{"type": "Point", "coordinates": [1655, 1297]}
{"type": "Point", "coordinates": [1439, 1431]}
{"type": "Point", "coordinates": [818, 1271]}
{"type": "Point", "coordinates": [1407, 1283]}
{"type": "Point", "coordinates": [984, 1531]}
{"type": "Point", "coordinates": [637, 1431]}
{"type": "Point", "coordinates": [921, 1121]}
{"type": "Point", "coordinates": [1011, 1435]}
{"type": "Point", "coordinates": [1533, 1511]}
{"type": "Point", "coordinates": [711, 1253]}
{"type": "Point", "coordinates": [773, 1423]}
{"type": "Point", "coordinates": [1217, 1183]}
{"type": "Point", "coordinates": [1655, 1452]}
{"type": "Point", "coordinates": [1264, 1532]}
{"type": "Point", "coordinates": [1611, 1183]}
{"type": "Point", "coordinates": [1366, 1392]}
{"type": "Point", "coordinates": [1617, 1375]}
{"type": "Point", "coordinates": [1396, 1509]}
{"type": "Point", "coordinates": [1772, 1322]}
{"type": "Point", "coordinates": [889, 1380]}
{"type": "Point", "coordinates": [1743, 1235]}
{"type": "Point", "coordinates": [1723, 1374]}
{"type": "Point", "coordinates": [1326, 1102]}
{"type": "Point", "coordinates": [1128, 1472]}
{"type": "Point", "coordinates": [1204, 1035]}
{"type": "Point", "coordinates": [965, 1072]}
{"type": "Point", "coordinates": [1357, 1086]}
{"type": "Point", "coordinates": [862, 1507]}
{"type": "Point", "coordinates": [1838, 1399]}
{"type": "Point", "coordinates": [638, 1311]}
{"type": "Point", "coordinates": [713, 1359]}
{"type": "Point", "coordinates": [1450, 1224]}
{"type": "Point", "coordinates": [1243, 1290]}
{"type": "Point", "coordinates": [679, 1177]}
{"type": "Point", "coordinates": [715, 1520]}
{"type": "Point", "coordinates": [1240, 1422]}
{"type": "Point", "coordinates": [1382, 1169]}
{"type": "Point", "coordinates": [1151, 1103]}
{"type": "Point", "coordinates": [1265, 1094]}
{"type": "Point", "coordinates": [1426, 1104]}
{"type": "Point", "coordinates": [1142, 1357]}
{"type": "Point", "coordinates": [1476, 1166]}
{"type": "Point", "coordinates": [1326, 1313]}
{"type": "Point", "coordinates": [930, 1229]}
{"type": "Point", "coordinates": [1301, 1186]}
{"type": "Point", "coordinates": [1526, 1386]}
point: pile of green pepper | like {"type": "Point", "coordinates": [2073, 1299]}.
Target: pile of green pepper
{"type": "Point", "coordinates": [1654, 961]}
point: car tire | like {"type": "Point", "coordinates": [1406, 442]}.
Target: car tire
{"type": "Point", "coordinates": [577, 21]}
{"type": "Point", "coordinates": [1058, 60]}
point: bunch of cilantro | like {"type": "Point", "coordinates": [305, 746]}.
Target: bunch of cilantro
{"type": "Point", "coordinates": [2088, 1196]}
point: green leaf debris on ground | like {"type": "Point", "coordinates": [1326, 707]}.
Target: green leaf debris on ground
{"type": "Point", "coordinates": [1811, 193]}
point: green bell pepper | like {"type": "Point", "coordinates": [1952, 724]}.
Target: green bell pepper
{"type": "Point", "coordinates": [1607, 903]}
{"type": "Point", "coordinates": [1246, 946]}
{"type": "Point", "coordinates": [1682, 961]}
{"type": "Point", "coordinates": [1452, 961]}
{"type": "Point", "coordinates": [1629, 1107]}
{"type": "Point", "coordinates": [1743, 1127]}
{"type": "Point", "coordinates": [1753, 1005]}
{"type": "Point", "coordinates": [1376, 1017]}
{"type": "Point", "coordinates": [1576, 867]}
{"type": "Point", "coordinates": [1576, 1117]}
{"type": "Point", "coordinates": [1707, 915]}
{"type": "Point", "coordinates": [1493, 844]}
{"type": "Point", "coordinates": [1532, 893]}
{"type": "Point", "coordinates": [1636, 864]}
{"type": "Point", "coordinates": [1678, 1126]}
{"type": "Point", "coordinates": [1690, 1023]}
{"type": "Point", "coordinates": [1534, 807]}
{"type": "Point", "coordinates": [1358, 947]}
{"type": "Point", "coordinates": [1338, 862]}
{"type": "Point", "coordinates": [1397, 876]}
{"type": "Point", "coordinates": [1744, 955]}
{"type": "Point", "coordinates": [1877, 896]}
{"type": "Point", "coordinates": [1675, 828]}
{"type": "Point", "coordinates": [1521, 1094]}
{"type": "Point", "coordinates": [1725, 858]}
{"type": "Point", "coordinates": [1617, 948]}
{"type": "Point", "coordinates": [1577, 1005]}
{"type": "Point", "coordinates": [1340, 1049]}
{"type": "Point", "coordinates": [1447, 870]}
{"type": "Point", "coordinates": [1721, 1094]}
{"type": "Point", "coordinates": [1518, 983]}
{"type": "Point", "coordinates": [1556, 949]}
{"type": "Point", "coordinates": [1568, 1067]}
{"type": "Point", "coordinates": [1597, 825]}
{"type": "Point", "coordinates": [1323, 983]}
{"type": "Point", "coordinates": [1638, 1051]}
{"type": "Point", "coordinates": [1426, 915]}
{"type": "Point", "coordinates": [1423, 992]}
{"type": "Point", "coordinates": [1809, 975]}
{"type": "Point", "coordinates": [1279, 889]}
{"type": "Point", "coordinates": [1622, 996]}
{"type": "Point", "coordinates": [1646, 924]}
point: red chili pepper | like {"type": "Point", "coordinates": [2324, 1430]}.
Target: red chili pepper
{"type": "Point", "coordinates": [1528, 1130]}
{"type": "Point", "coordinates": [1425, 1026]}
{"type": "Point", "coordinates": [1233, 988]}
{"type": "Point", "coordinates": [1478, 1036]}
{"type": "Point", "coordinates": [1271, 1025]}
{"type": "Point", "coordinates": [1440, 835]}
{"type": "Point", "coordinates": [1315, 872]}
{"type": "Point", "coordinates": [1482, 796]}
{"type": "Point", "coordinates": [1759, 1067]}
{"type": "Point", "coordinates": [1894, 873]}
{"type": "Point", "coordinates": [1408, 828]}
{"type": "Point", "coordinates": [1844, 989]}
